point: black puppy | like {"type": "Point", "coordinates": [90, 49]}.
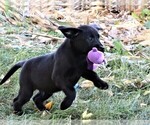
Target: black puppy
{"type": "Point", "coordinates": [58, 71]}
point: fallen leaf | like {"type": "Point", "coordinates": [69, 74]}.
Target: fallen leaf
{"type": "Point", "coordinates": [44, 113]}
{"type": "Point", "coordinates": [143, 36]}
{"type": "Point", "coordinates": [96, 3]}
{"type": "Point", "coordinates": [87, 84]}
{"type": "Point", "coordinates": [137, 83]}
{"type": "Point", "coordinates": [110, 78]}
{"type": "Point", "coordinates": [86, 115]}
{"type": "Point", "coordinates": [49, 105]}
{"type": "Point", "coordinates": [143, 104]}
{"type": "Point", "coordinates": [146, 92]}
{"type": "Point", "coordinates": [2, 76]}
{"type": "Point", "coordinates": [145, 43]}
{"type": "Point", "coordinates": [130, 23]}
{"type": "Point", "coordinates": [110, 93]}
{"type": "Point", "coordinates": [127, 81]}
{"type": "Point", "coordinates": [147, 79]}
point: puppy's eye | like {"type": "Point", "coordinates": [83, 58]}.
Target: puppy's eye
{"type": "Point", "coordinates": [90, 38]}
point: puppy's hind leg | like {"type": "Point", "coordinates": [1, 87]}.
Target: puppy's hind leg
{"type": "Point", "coordinates": [24, 95]}
{"type": "Point", "coordinates": [70, 96]}
{"type": "Point", "coordinates": [39, 98]}
{"type": "Point", "coordinates": [16, 98]}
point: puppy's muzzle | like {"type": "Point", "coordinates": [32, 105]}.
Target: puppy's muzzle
{"type": "Point", "coordinates": [100, 48]}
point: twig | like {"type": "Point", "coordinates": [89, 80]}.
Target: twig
{"type": "Point", "coordinates": [44, 35]}
{"type": "Point", "coordinates": [7, 18]}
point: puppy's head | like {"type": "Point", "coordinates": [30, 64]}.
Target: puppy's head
{"type": "Point", "coordinates": [83, 38]}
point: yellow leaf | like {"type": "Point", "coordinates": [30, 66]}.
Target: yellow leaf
{"type": "Point", "coordinates": [86, 115]}
{"type": "Point", "coordinates": [87, 84]}
{"type": "Point", "coordinates": [146, 92]}
{"type": "Point", "coordinates": [49, 105]}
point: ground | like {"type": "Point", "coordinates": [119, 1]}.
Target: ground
{"type": "Point", "coordinates": [127, 98]}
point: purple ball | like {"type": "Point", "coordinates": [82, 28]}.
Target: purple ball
{"type": "Point", "coordinates": [95, 56]}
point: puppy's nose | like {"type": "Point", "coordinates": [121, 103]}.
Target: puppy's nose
{"type": "Point", "coordinates": [102, 49]}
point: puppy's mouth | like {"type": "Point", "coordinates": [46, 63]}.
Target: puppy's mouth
{"type": "Point", "coordinates": [100, 48]}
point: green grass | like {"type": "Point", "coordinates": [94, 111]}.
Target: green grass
{"type": "Point", "coordinates": [125, 103]}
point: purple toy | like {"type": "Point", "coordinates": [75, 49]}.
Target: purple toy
{"type": "Point", "coordinates": [94, 58]}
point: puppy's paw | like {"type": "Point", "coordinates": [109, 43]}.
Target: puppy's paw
{"type": "Point", "coordinates": [105, 86]}
{"type": "Point", "coordinates": [41, 107]}
{"type": "Point", "coordinates": [102, 85]}
{"type": "Point", "coordinates": [19, 113]}
{"type": "Point", "coordinates": [65, 104]}
{"type": "Point", "coordinates": [63, 107]}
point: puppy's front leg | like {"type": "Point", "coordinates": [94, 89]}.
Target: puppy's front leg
{"type": "Point", "coordinates": [68, 100]}
{"type": "Point", "coordinates": [91, 75]}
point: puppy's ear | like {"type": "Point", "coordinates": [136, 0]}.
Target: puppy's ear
{"type": "Point", "coordinates": [69, 32]}
{"type": "Point", "coordinates": [96, 26]}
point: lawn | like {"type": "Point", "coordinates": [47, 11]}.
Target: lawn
{"type": "Point", "coordinates": [128, 97]}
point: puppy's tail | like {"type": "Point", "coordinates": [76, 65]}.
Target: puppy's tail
{"type": "Point", "coordinates": [12, 70]}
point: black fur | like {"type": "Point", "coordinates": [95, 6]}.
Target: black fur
{"type": "Point", "coordinates": [58, 71]}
